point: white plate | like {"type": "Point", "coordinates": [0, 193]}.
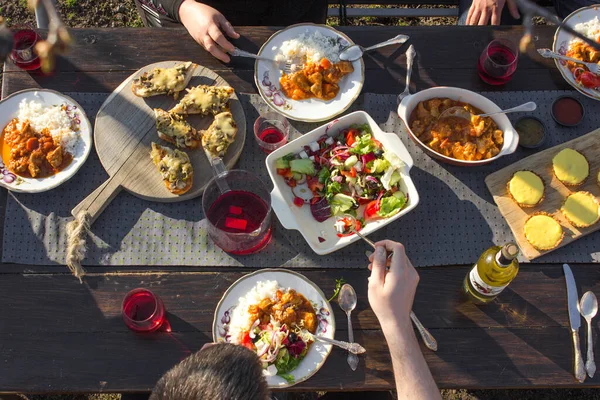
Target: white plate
{"type": "Point", "coordinates": [301, 219]}
{"type": "Point", "coordinates": [266, 77]}
{"type": "Point", "coordinates": [318, 352]}
{"type": "Point", "coordinates": [561, 45]}
{"type": "Point", "coordinates": [9, 109]}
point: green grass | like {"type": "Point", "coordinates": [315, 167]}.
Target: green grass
{"type": "Point", "coordinates": [70, 3]}
{"type": "Point", "coordinates": [23, 3]}
{"type": "Point", "coordinates": [71, 15]}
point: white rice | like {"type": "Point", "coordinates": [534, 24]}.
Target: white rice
{"type": "Point", "coordinates": [591, 28]}
{"type": "Point", "coordinates": [309, 47]}
{"type": "Point", "coordinates": [58, 122]}
{"type": "Point", "coordinates": [240, 317]}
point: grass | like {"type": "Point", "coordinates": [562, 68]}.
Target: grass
{"type": "Point", "coordinates": [70, 3]}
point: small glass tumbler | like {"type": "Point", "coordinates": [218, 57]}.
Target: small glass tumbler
{"type": "Point", "coordinates": [23, 53]}
{"type": "Point", "coordinates": [143, 311]}
{"type": "Point", "coordinates": [498, 62]}
{"type": "Point", "coordinates": [271, 131]}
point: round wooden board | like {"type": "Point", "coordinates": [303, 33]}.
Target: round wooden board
{"type": "Point", "coordinates": [125, 128]}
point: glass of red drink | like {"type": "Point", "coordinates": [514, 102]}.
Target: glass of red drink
{"type": "Point", "coordinates": [23, 53]}
{"type": "Point", "coordinates": [498, 62]}
{"type": "Point", "coordinates": [271, 131]}
{"type": "Point", "coordinates": [143, 311]}
{"type": "Point", "coordinates": [237, 205]}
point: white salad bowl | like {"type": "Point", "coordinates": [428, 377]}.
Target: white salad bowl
{"type": "Point", "coordinates": [409, 103]}
{"type": "Point", "coordinates": [301, 219]}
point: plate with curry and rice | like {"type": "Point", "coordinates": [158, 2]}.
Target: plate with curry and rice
{"type": "Point", "coordinates": [46, 138]}
{"type": "Point", "coordinates": [318, 85]}
{"type": "Point", "coordinates": [275, 312]}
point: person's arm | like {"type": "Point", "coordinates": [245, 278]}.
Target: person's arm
{"type": "Point", "coordinates": [205, 24]}
{"type": "Point", "coordinates": [391, 295]}
{"type": "Point", "coordinates": [482, 11]}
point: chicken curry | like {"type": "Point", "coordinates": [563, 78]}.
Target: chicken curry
{"type": "Point", "coordinates": [318, 80]}
{"type": "Point", "coordinates": [291, 308]}
{"type": "Point", "coordinates": [456, 137]}
{"type": "Point", "coordinates": [29, 153]}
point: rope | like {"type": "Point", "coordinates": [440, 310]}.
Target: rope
{"type": "Point", "coordinates": [77, 231]}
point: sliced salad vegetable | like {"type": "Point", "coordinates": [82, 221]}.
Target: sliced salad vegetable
{"type": "Point", "coordinates": [338, 175]}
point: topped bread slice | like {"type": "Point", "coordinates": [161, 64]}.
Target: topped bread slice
{"type": "Point", "coordinates": [173, 128]}
{"type": "Point", "coordinates": [169, 81]}
{"type": "Point", "coordinates": [204, 100]}
{"type": "Point", "coordinates": [219, 135]}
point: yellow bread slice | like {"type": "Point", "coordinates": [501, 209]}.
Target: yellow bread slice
{"type": "Point", "coordinates": [526, 188]}
{"type": "Point", "coordinates": [581, 209]}
{"type": "Point", "coordinates": [543, 231]}
{"type": "Point", "coordinates": [570, 167]}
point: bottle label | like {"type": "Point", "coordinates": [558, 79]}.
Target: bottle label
{"type": "Point", "coordinates": [482, 287]}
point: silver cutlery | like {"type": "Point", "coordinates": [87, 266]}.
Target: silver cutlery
{"type": "Point", "coordinates": [589, 307]}
{"type": "Point", "coordinates": [547, 53]}
{"type": "Point", "coordinates": [410, 57]}
{"type": "Point", "coordinates": [575, 321]}
{"type": "Point", "coordinates": [286, 66]}
{"type": "Point", "coordinates": [353, 348]}
{"type": "Point", "coordinates": [461, 112]}
{"type": "Point", "coordinates": [354, 52]}
{"type": "Point", "coordinates": [347, 301]}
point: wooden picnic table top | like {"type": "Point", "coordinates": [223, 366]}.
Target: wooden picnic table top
{"type": "Point", "coordinates": [57, 335]}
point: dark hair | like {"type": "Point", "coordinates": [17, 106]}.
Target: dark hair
{"type": "Point", "coordinates": [219, 372]}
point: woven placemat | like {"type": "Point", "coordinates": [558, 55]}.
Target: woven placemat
{"type": "Point", "coordinates": [454, 222]}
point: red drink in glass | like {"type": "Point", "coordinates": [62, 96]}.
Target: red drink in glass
{"type": "Point", "coordinates": [239, 219]}
{"type": "Point", "coordinates": [271, 131]}
{"type": "Point", "coordinates": [498, 62]}
{"type": "Point", "coordinates": [143, 311]}
{"type": "Point", "coordinates": [23, 53]}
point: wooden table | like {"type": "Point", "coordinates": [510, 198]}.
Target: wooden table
{"type": "Point", "coordinates": [57, 335]}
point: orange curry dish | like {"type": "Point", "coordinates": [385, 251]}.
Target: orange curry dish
{"type": "Point", "coordinates": [290, 308]}
{"type": "Point", "coordinates": [29, 153]}
{"type": "Point", "coordinates": [456, 137]}
{"type": "Point", "coordinates": [318, 80]}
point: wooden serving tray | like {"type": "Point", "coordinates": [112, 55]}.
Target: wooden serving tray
{"type": "Point", "coordinates": [556, 192]}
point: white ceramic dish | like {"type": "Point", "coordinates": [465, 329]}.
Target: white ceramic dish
{"type": "Point", "coordinates": [561, 45]}
{"type": "Point", "coordinates": [318, 351]}
{"type": "Point", "coordinates": [266, 77]}
{"type": "Point", "coordinates": [9, 109]}
{"type": "Point", "coordinates": [301, 219]}
{"type": "Point", "coordinates": [511, 137]}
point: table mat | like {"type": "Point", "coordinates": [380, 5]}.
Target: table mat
{"type": "Point", "coordinates": [454, 222]}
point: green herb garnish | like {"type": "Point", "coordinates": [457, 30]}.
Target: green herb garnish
{"type": "Point", "coordinates": [338, 286]}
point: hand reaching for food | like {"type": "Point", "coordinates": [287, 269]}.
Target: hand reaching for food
{"type": "Point", "coordinates": [482, 11]}
{"type": "Point", "coordinates": [391, 292]}
{"type": "Point", "coordinates": [207, 25]}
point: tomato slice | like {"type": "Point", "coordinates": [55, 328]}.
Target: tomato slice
{"type": "Point", "coordinates": [283, 171]}
{"type": "Point", "coordinates": [298, 201]}
{"type": "Point", "coordinates": [246, 341]}
{"type": "Point", "coordinates": [589, 80]}
{"type": "Point", "coordinates": [291, 182]}
{"type": "Point", "coordinates": [350, 137]}
{"type": "Point", "coordinates": [348, 225]}
{"type": "Point", "coordinates": [371, 210]}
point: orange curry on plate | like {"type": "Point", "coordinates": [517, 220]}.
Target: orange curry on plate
{"type": "Point", "coordinates": [318, 80]}
{"type": "Point", "coordinates": [290, 308]}
{"type": "Point", "coordinates": [456, 137]}
{"type": "Point", "coordinates": [29, 153]}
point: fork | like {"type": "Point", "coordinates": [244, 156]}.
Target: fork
{"type": "Point", "coordinates": [286, 66]}
{"type": "Point", "coordinates": [410, 56]}
{"type": "Point", "coordinates": [547, 53]}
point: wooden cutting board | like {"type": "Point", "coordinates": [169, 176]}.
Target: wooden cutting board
{"type": "Point", "coordinates": [123, 133]}
{"type": "Point", "coordinates": [556, 192]}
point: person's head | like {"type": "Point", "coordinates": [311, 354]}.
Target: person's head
{"type": "Point", "coordinates": [219, 372]}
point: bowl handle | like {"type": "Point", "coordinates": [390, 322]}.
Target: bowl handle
{"type": "Point", "coordinates": [405, 156]}
{"type": "Point", "coordinates": [282, 209]}
{"type": "Point", "coordinates": [512, 146]}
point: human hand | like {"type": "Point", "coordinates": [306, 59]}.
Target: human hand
{"type": "Point", "coordinates": [206, 25]}
{"type": "Point", "coordinates": [482, 10]}
{"type": "Point", "coordinates": [391, 292]}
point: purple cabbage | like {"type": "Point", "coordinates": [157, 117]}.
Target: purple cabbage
{"type": "Point", "coordinates": [321, 210]}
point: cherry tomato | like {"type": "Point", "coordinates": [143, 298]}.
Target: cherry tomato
{"type": "Point", "coordinates": [371, 210]}
{"type": "Point", "coordinates": [298, 202]}
{"type": "Point", "coordinates": [348, 225]}
{"type": "Point", "coordinates": [282, 171]}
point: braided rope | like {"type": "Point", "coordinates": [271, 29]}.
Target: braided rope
{"type": "Point", "coordinates": [77, 231]}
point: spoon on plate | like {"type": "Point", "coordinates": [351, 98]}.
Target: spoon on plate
{"type": "Point", "coordinates": [347, 301]}
{"type": "Point", "coordinates": [355, 51]}
{"type": "Point", "coordinates": [588, 307]}
{"type": "Point", "coordinates": [460, 112]}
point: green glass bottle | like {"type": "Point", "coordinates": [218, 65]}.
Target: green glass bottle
{"type": "Point", "coordinates": [495, 269]}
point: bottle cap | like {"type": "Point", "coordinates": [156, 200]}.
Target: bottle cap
{"type": "Point", "coordinates": [509, 252]}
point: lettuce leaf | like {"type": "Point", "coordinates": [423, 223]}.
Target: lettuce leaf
{"type": "Point", "coordinates": [341, 203]}
{"type": "Point", "coordinates": [391, 205]}
{"type": "Point", "coordinates": [364, 145]}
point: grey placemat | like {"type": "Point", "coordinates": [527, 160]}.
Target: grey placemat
{"type": "Point", "coordinates": [454, 222]}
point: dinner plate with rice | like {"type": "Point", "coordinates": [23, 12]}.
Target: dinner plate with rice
{"type": "Point", "coordinates": [274, 312]}
{"type": "Point", "coordinates": [46, 138]}
{"type": "Point", "coordinates": [586, 21]}
{"type": "Point", "coordinates": [320, 86]}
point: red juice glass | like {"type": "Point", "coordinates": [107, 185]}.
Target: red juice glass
{"type": "Point", "coordinates": [271, 131]}
{"type": "Point", "coordinates": [498, 62]}
{"type": "Point", "coordinates": [23, 53]}
{"type": "Point", "coordinates": [143, 311]}
{"type": "Point", "coordinates": [237, 205]}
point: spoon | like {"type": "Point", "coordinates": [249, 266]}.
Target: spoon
{"type": "Point", "coordinates": [410, 56]}
{"type": "Point", "coordinates": [355, 51]}
{"type": "Point", "coordinates": [347, 302]}
{"type": "Point", "coordinates": [460, 112]}
{"type": "Point", "coordinates": [588, 307]}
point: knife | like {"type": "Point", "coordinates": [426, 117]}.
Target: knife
{"type": "Point", "coordinates": [575, 319]}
